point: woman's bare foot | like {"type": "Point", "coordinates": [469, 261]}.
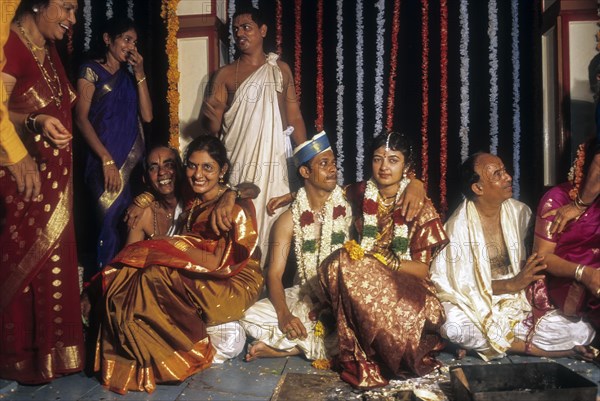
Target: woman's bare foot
{"type": "Point", "coordinates": [259, 349]}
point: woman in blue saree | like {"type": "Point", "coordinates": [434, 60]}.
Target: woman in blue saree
{"type": "Point", "coordinates": [113, 97]}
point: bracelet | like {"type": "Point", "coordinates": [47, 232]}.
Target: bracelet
{"type": "Point", "coordinates": [143, 200]}
{"type": "Point", "coordinates": [238, 193]}
{"type": "Point", "coordinates": [108, 163]}
{"type": "Point", "coordinates": [580, 203]}
{"type": "Point", "coordinates": [139, 81]}
{"type": "Point", "coordinates": [579, 272]}
{"type": "Point", "coordinates": [30, 122]}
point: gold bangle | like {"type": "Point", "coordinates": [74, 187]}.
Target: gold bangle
{"type": "Point", "coordinates": [143, 200]}
{"type": "Point", "coordinates": [139, 81]}
{"type": "Point", "coordinates": [579, 272]}
{"type": "Point", "coordinates": [108, 163]}
{"type": "Point", "coordinates": [580, 203]}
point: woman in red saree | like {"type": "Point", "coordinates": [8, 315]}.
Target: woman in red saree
{"type": "Point", "coordinates": [387, 313]}
{"type": "Point", "coordinates": [161, 294]}
{"type": "Point", "coordinates": [42, 335]}
{"type": "Point", "coordinates": [572, 256]}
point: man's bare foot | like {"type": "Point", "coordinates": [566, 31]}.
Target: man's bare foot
{"type": "Point", "coordinates": [587, 353]}
{"type": "Point", "coordinates": [460, 353]}
{"type": "Point", "coordinates": [259, 349]}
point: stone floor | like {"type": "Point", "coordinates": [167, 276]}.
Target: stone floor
{"type": "Point", "coordinates": [260, 380]}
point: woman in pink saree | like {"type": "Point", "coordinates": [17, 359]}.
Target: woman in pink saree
{"type": "Point", "coordinates": [572, 256]}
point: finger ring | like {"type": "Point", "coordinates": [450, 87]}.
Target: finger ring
{"type": "Point", "coordinates": [598, 292]}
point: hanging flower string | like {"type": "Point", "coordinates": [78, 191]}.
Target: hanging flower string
{"type": "Point", "coordinates": [339, 75]}
{"type": "Point", "coordinates": [320, 100]}
{"type": "Point", "coordinates": [278, 27]}
{"type": "Point", "coordinates": [464, 79]}
{"type": "Point", "coordinates": [169, 15]}
{"type": "Point", "coordinates": [576, 172]}
{"type": "Point", "coordinates": [130, 9]}
{"type": "Point", "coordinates": [109, 9]}
{"type": "Point", "coordinates": [389, 125]}
{"type": "Point", "coordinates": [425, 89]}
{"type": "Point", "coordinates": [230, 12]}
{"type": "Point", "coordinates": [516, 63]}
{"type": "Point", "coordinates": [87, 24]}
{"type": "Point", "coordinates": [298, 47]}
{"type": "Point", "coordinates": [360, 96]}
{"type": "Point", "coordinates": [380, 5]}
{"type": "Point", "coordinates": [70, 42]}
{"type": "Point", "coordinates": [493, 60]}
{"type": "Point", "coordinates": [443, 104]}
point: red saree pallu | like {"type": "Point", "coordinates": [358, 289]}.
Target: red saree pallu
{"type": "Point", "coordinates": [40, 316]}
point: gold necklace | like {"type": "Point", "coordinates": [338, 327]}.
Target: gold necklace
{"type": "Point", "coordinates": [188, 223]}
{"type": "Point", "coordinates": [53, 83]}
{"type": "Point", "coordinates": [28, 39]}
{"type": "Point", "coordinates": [169, 216]}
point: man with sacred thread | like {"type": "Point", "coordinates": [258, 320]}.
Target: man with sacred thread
{"type": "Point", "coordinates": [495, 299]}
{"type": "Point", "coordinates": [293, 320]}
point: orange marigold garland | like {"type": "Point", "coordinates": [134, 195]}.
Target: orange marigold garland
{"type": "Point", "coordinates": [298, 47]}
{"type": "Point", "coordinates": [444, 105]}
{"type": "Point", "coordinates": [320, 101]}
{"type": "Point", "coordinates": [278, 27]}
{"type": "Point", "coordinates": [576, 172]}
{"type": "Point", "coordinates": [169, 15]}
{"type": "Point", "coordinates": [425, 88]}
{"type": "Point", "coordinates": [393, 66]}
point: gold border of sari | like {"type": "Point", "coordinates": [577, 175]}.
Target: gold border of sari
{"type": "Point", "coordinates": [108, 198]}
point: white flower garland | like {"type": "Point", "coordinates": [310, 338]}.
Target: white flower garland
{"type": "Point", "coordinates": [516, 63]}
{"type": "Point", "coordinates": [334, 233]}
{"type": "Point", "coordinates": [464, 79]}
{"type": "Point", "coordinates": [230, 12]}
{"type": "Point", "coordinates": [339, 55]}
{"type": "Point", "coordinates": [380, 5]}
{"type": "Point", "coordinates": [367, 242]}
{"type": "Point", "coordinates": [493, 34]}
{"type": "Point", "coordinates": [109, 9]}
{"type": "Point", "coordinates": [130, 9]}
{"type": "Point", "coordinates": [87, 25]}
{"type": "Point", "coordinates": [360, 96]}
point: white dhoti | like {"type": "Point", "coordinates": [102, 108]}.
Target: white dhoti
{"type": "Point", "coordinates": [554, 331]}
{"type": "Point", "coordinates": [260, 323]}
{"type": "Point", "coordinates": [256, 142]}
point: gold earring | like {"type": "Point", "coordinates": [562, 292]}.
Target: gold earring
{"type": "Point", "coordinates": [220, 179]}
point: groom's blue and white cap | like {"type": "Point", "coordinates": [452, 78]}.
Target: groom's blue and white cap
{"type": "Point", "coordinates": [309, 149]}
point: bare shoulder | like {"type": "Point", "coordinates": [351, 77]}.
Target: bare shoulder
{"type": "Point", "coordinates": [224, 73]}
{"type": "Point", "coordinates": [284, 225]}
{"type": "Point", "coordinates": [285, 68]}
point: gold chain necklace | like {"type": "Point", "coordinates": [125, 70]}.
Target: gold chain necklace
{"type": "Point", "coordinates": [188, 222]}
{"type": "Point", "coordinates": [53, 83]}
{"type": "Point", "coordinates": [169, 216]}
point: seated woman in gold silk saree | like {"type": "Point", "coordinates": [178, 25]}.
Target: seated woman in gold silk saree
{"type": "Point", "coordinates": [388, 316]}
{"type": "Point", "coordinates": [161, 294]}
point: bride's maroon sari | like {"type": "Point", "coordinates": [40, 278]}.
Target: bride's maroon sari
{"type": "Point", "coordinates": [40, 317]}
